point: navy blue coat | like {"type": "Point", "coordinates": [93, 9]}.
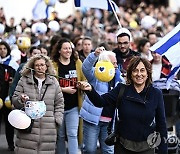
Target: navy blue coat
{"type": "Point", "coordinates": [140, 114]}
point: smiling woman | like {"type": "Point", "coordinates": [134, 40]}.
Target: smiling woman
{"type": "Point", "coordinates": [67, 67]}
{"type": "Point", "coordinates": [139, 73]}
{"type": "Point", "coordinates": [141, 112]}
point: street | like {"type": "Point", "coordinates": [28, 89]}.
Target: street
{"type": "Point", "coordinates": [4, 147]}
{"type": "Point", "coordinates": [3, 142]}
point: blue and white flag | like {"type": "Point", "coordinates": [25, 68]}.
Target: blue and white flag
{"type": "Point", "coordinates": [99, 4]}
{"type": "Point", "coordinates": [169, 46]}
{"type": "Point", "coordinates": [41, 9]}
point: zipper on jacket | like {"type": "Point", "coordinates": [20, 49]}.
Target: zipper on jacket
{"type": "Point", "coordinates": [136, 100]}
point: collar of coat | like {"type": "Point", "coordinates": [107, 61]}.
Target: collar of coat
{"type": "Point", "coordinates": [48, 79]}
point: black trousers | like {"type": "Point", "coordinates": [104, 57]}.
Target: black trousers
{"type": "Point", "coordinates": [9, 130]}
{"type": "Point", "coordinates": [119, 149]}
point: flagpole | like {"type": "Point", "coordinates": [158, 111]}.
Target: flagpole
{"type": "Point", "coordinates": [115, 14]}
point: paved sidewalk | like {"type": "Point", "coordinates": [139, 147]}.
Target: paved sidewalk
{"type": "Point", "coordinates": [3, 145]}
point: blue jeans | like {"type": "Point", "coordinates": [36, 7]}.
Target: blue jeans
{"type": "Point", "coordinates": [91, 133]}
{"type": "Point", "coordinates": [70, 128]}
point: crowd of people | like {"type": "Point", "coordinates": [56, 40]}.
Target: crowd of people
{"type": "Point", "coordinates": [65, 53]}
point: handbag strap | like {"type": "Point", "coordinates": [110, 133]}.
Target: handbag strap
{"type": "Point", "coordinates": [121, 92]}
{"type": "Point", "coordinates": [44, 93]}
{"type": "Point", "coordinates": [112, 122]}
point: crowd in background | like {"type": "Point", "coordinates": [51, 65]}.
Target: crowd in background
{"type": "Point", "coordinates": [100, 25]}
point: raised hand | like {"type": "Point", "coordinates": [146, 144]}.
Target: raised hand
{"type": "Point", "coordinates": [99, 50]}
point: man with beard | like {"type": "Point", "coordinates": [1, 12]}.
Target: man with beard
{"type": "Point", "coordinates": [123, 51]}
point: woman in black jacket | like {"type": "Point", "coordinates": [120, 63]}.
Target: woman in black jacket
{"type": "Point", "coordinates": [142, 122]}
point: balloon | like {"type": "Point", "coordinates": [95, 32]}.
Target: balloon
{"type": "Point", "coordinates": [54, 25]}
{"type": "Point", "coordinates": [124, 30]}
{"type": "Point", "coordinates": [19, 119]}
{"type": "Point", "coordinates": [104, 71]}
{"type": "Point", "coordinates": [1, 103]}
{"type": "Point", "coordinates": [8, 103]}
{"type": "Point", "coordinates": [50, 2]}
{"type": "Point", "coordinates": [147, 22]}
{"type": "Point", "coordinates": [23, 42]}
{"type": "Point", "coordinates": [39, 28]}
{"type": "Point", "coordinates": [35, 109]}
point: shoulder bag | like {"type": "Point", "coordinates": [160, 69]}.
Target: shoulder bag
{"type": "Point", "coordinates": [113, 136]}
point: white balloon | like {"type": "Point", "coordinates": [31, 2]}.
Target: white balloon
{"type": "Point", "coordinates": [147, 22]}
{"type": "Point", "coordinates": [54, 25]}
{"type": "Point", "coordinates": [124, 30]}
{"type": "Point", "coordinates": [19, 119]}
{"type": "Point", "coordinates": [39, 28]}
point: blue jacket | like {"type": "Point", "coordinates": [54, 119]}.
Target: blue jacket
{"type": "Point", "coordinates": [139, 115]}
{"type": "Point", "coordinates": [88, 111]}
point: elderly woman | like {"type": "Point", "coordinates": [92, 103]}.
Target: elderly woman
{"type": "Point", "coordinates": [37, 84]}
{"type": "Point", "coordinates": [142, 123]}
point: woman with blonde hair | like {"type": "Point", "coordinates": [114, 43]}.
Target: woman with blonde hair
{"type": "Point", "coordinates": [36, 84]}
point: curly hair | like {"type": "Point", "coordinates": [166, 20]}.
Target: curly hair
{"type": "Point", "coordinates": [133, 64]}
{"type": "Point", "coordinates": [30, 64]}
{"type": "Point", "coordinates": [58, 46]}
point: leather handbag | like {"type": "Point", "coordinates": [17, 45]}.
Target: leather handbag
{"type": "Point", "coordinates": [113, 136]}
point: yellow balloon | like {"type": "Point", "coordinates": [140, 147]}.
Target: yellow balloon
{"type": "Point", "coordinates": [46, 1]}
{"type": "Point", "coordinates": [8, 103]}
{"type": "Point", "coordinates": [50, 2]}
{"type": "Point", "coordinates": [1, 103]}
{"type": "Point", "coordinates": [23, 42]}
{"type": "Point", "coordinates": [104, 71]}
{"type": "Point", "coordinates": [133, 24]}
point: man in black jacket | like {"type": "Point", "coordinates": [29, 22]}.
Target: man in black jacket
{"type": "Point", "coordinates": [123, 51]}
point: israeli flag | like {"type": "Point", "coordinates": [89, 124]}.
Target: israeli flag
{"type": "Point", "coordinates": [169, 46]}
{"type": "Point", "coordinates": [98, 4]}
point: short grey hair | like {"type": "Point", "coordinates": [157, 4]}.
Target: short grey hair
{"type": "Point", "coordinates": [105, 56]}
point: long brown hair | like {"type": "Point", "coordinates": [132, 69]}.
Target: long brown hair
{"type": "Point", "coordinates": [133, 64]}
{"type": "Point", "coordinates": [58, 46]}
